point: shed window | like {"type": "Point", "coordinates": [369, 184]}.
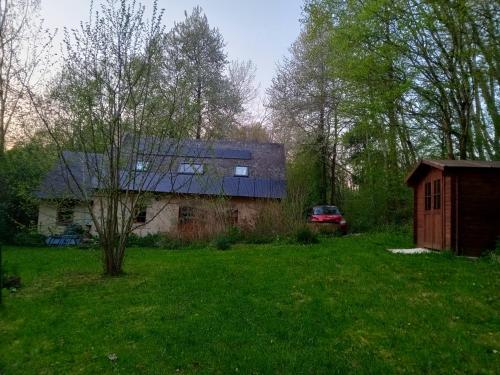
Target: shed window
{"type": "Point", "coordinates": [65, 213]}
{"type": "Point", "coordinates": [437, 194]}
{"type": "Point", "coordinates": [241, 171]}
{"type": "Point", "coordinates": [140, 216]}
{"type": "Point", "coordinates": [188, 168]}
{"type": "Point", "coordinates": [428, 196]}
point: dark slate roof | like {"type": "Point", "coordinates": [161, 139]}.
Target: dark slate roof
{"type": "Point", "coordinates": [71, 176]}
{"type": "Point", "coordinates": [424, 165]}
{"type": "Point", "coordinates": [266, 162]}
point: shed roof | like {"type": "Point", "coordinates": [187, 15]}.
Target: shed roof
{"type": "Point", "coordinates": [424, 165]}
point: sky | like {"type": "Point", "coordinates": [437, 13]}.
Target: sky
{"type": "Point", "coordinates": [257, 30]}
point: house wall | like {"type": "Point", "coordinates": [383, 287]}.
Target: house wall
{"type": "Point", "coordinates": [162, 214]}
{"type": "Point", "coordinates": [166, 213]}
{"type": "Point", "coordinates": [47, 218]}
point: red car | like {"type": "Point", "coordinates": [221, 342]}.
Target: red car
{"type": "Point", "coordinates": [327, 214]}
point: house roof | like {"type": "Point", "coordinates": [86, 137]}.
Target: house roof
{"type": "Point", "coordinates": [78, 174]}
{"type": "Point", "coordinates": [424, 165]}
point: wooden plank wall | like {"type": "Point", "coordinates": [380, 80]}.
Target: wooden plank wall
{"type": "Point", "coordinates": [479, 214]}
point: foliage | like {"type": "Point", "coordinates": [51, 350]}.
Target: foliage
{"type": "Point", "coordinates": [24, 44]}
{"type": "Point", "coordinates": [235, 234]}
{"type": "Point", "coordinates": [10, 276]}
{"type": "Point", "coordinates": [223, 242]}
{"type": "Point", "coordinates": [30, 239]}
{"type": "Point", "coordinates": [345, 305]}
{"type": "Point", "coordinates": [149, 240]}
{"type": "Point", "coordinates": [372, 86]}
{"type": "Point", "coordinates": [21, 170]}
{"type": "Point", "coordinates": [171, 242]}
{"type": "Point", "coordinates": [306, 236]}
{"type": "Point", "coordinates": [195, 63]}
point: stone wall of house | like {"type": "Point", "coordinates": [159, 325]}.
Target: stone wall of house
{"type": "Point", "coordinates": [210, 214]}
{"type": "Point", "coordinates": [163, 215]}
{"type": "Point", "coordinates": [47, 218]}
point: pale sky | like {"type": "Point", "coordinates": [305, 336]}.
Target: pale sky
{"type": "Point", "coordinates": [259, 30]}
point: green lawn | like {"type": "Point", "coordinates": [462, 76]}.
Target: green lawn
{"type": "Point", "coordinates": [344, 305]}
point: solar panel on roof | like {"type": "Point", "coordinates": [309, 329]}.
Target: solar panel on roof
{"type": "Point", "coordinates": [230, 186]}
{"type": "Point", "coordinates": [262, 188]}
{"type": "Point", "coordinates": [278, 189]}
{"type": "Point", "coordinates": [246, 187]}
{"type": "Point", "coordinates": [227, 153]}
{"type": "Point", "coordinates": [203, 152]}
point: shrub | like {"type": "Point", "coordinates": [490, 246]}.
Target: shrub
{"type": "Point", "coordinates": [10, 278]}
{"type": "Point", "coordinates": [256, 237]}
{"type": "Point", "coordinates": [234, 234]}
{"type": "Point", "coordinates": [170, 243]}
{"type": "Point", "coordinates": [32, 239]}
{"type": "Point", "coordinates": [306, 236]}
{"type": "Point", "coordinates": [74, 229]}
{"type": "Point", "coordinates": [222, 242]}
{"type": "Point", "coordinates": [149, 240]}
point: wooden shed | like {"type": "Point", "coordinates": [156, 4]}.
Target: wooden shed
{"type": "Point", "coordinates": [456, 205]}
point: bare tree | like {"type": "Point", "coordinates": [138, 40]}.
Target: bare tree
{"type": "Point", "coordinates": [103, 106]}
{"type": "Point", "coordinates": [23, 42]}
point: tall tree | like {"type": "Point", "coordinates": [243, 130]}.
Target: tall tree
{"type": "Point", "coordinates": [195, 52]}
{"type": "Point", "coordinates": [22, 43]}
{"type": "Point", "coordinates": [304, 101]}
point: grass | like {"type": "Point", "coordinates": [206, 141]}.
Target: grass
{"type": "Point", "coordinates": [342, 306]}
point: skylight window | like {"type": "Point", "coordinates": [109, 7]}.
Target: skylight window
{"type": "Point", "coordinates": [241, 171]}
{"type": "Point", "coordinates": [142, 166]}
{"type": "Point", "coordinates": [188, 168]}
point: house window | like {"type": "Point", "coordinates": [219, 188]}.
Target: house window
{"type": "Point", "coordinates": [141, 166]}
{"type": "Point", "coordinates": [428, 196]}
{"type": "Point", "coordinates": [186, 214]}
{"type": "Point", "coordinates": [233, 217]}
{"type": "Point", "coordinates": [241, 171]}
{"type": "Point", "coordinates": [65, 213]}
{"type": "Point", "coordinates": [188, 168]}
{"type": "Point", "coordinates": [140, 214]}
{"type": "Point", "coordinates": [437, 194]}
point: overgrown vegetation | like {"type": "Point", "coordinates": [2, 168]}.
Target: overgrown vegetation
{"type": "Point", "coordinates": [343, 305]}
{"type": "Point", "coordinates": [306, 236]}
{"type": "Point", "coordinates": [370, 87]}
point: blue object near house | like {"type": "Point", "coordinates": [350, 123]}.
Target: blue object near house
{"type": "Point", "coordinates": [63, 240]}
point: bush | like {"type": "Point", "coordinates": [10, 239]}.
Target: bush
{"type": "Point", "coordinates": [234, 234]}
{"type": "Point", "coordinates": [255, 237]}
{"type": "Point", "coordinates": [149, 240]}
{"type": "Point", "coordinates": [32, 239]}
{"type": "Point", "coordinates": [170, 243]}
{"type": "Point", "coordinates": [222, 243]}
{"type": "Point", "coordinates": [306, 236]}
{"type": "Point", "coordinates": [10, 278]}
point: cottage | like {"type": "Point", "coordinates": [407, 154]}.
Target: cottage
{"type": "Point", "coordinates": [196, 185]}
{"type": "Point", "coordinates": [456, 205]}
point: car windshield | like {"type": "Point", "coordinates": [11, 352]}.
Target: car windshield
{"type": "Point", "coordinates": [325, 210]}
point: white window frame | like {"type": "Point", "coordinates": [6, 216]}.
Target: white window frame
{"type": "Point", "coordinates": [241, 174]}
{"type": "Point", "coordinates": [190, 168]}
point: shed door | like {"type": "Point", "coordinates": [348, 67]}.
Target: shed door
{"type": "Point", "coordinates": [433, 217]}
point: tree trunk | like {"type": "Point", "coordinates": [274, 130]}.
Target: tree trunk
{"type": "Point", "coordinates": [323, 157]}
{"type": "Point", "coordinates": [333, 160]}
{"type": "Point", "coordinates": [198, 104]}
